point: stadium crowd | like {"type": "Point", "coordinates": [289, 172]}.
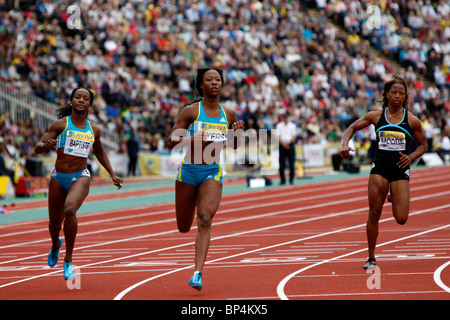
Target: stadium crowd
{"type": "Point", "coordinates": [140, 57]}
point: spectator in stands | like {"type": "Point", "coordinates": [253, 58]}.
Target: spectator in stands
{"type": "Point", "coordinates": [4, 171]}
{"type": "Point", "coordinates": [132, 150]}
{"type": "Point", "coordinates": [287, 136]}
{"type": "Point", "coordinates": [444, 147]}
{"type": "Point", "coordinates": [136, 52]}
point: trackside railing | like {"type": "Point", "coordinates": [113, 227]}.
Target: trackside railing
{"type": "Point", "coordinates": [23, 106]}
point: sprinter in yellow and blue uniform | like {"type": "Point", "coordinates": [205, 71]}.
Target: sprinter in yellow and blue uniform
{"type": "Point", "coordinates": [76, 142]}
{"type": "Point", "coordinates": [215, 131]}
{"type": "Point", "coordinates": [202, 127]}
{"type": "Point", "coordinates": [395, 127]}
{"type": "Point", "coordinates": [73, 137]}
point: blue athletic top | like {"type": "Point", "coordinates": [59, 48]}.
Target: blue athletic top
{"type": "Point", "coordinates": [392, 139]}
{"type": "Point", "coordinates": [215, 128]}
{"type": "Point", "coordinates": [75, 141]}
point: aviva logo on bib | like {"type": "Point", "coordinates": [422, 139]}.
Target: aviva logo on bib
{"type": "Point", "coordinates": [216, 132]}
{"type": "Point", "coordinates": [86, 136]}
{"type": "Point", "coordinates": [217, 127]}
{"type": "Point", "coordinates": [392, 140]}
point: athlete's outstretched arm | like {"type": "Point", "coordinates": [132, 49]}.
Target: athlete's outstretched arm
{"type": "Point", "coordinates": [48, 141]}
{"type": "Point", "coordinates": [419, 138]}
{"type": "Point", "coordinates": [237, 127]}
{"type": "Point", "coordinates": [103, 158]}
{"type": "Point", "coordinates": [367, 120]}
{"type": "Point", "coordinates": [179, 129]}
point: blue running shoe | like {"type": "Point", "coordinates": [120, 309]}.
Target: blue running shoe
{"type": "Point", "coordinates": [370, 264]}
{"type": "Point", "coordinates": [69, 272]}
{"type": "Point", "coordinates": [196, 281]}
{"type": "Point", "coordinates": [54, 255]}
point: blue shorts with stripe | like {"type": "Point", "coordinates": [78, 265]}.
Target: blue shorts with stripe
{"type": "Point", "coordinates": [67, 179]}
{"type": "Point", "coordinates": [196, 174]}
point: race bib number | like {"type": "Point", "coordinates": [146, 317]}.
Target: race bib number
{"type": "Point", "coordinates": [391, 141]}
{"type": "Point", "coordinates": [216, 132]}
{"type": "Point", "coordinates": [79, 143]}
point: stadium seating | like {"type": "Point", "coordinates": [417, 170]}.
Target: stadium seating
{"type": "Point", "coordinates": [315, 59]}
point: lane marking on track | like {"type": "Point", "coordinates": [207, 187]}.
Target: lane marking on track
{"type": "Point", "coordinates": [232, 221]}
{"type": "Point", "coordinates": [282, 284]}
{"type": "Point", "coordinates": [338, 295]}
{"type": "Point", "coordinates": [223, 203]}
{"type": "Point", "coordinates": [184, 245]}
{"type": "Point", "coordinates": [437, 277]}
{"type": "Point", "coordinates": [124, 292]}
{"type": "Point", "coordinates": [253, 206]}
{"type": "Point", "coordinates": [223, 222]}
{"type": "Point", "coordinates": [252, 196]}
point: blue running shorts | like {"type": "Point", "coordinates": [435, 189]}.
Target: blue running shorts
{"type": "Point", "coordinates": [196, 174]}
{"type": "Point", "coordinates": [67, 179]}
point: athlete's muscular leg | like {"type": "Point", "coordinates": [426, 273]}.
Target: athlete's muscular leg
{"type": "Point", "coordinates": [378, 189]}
{"type": "Point", "coordinates": [75, 198]}
{"type": "Point", "coordinates": [56, 197]}
{"type": "Point", "coordinates": [185, 202]}
{"type": "Point", "coordinates": [209, 196]}
{"type": "Point", "coordinates": [400, 197]}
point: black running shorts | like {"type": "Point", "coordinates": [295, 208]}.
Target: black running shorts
{"type": "Point", "coordinates": [390, 173]}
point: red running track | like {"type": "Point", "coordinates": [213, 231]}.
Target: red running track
{"type": "Point", "coordinates": [295, 242]}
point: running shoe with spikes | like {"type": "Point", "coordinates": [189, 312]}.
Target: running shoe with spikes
{"type": "Point", "coordinates": [196, 281]}
{"type": "Point", "coordinates": [69, 272]}
{"type": "Point", "coordinates": [370, 264]}
{"type": "Point", "coordinates": [53, 255]}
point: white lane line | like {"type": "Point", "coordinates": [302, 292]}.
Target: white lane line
{"type": "Point", "coordinates": [250, 197]}
{"type": "Point", "coordinates": [192, 243]}
{"type": "Point", "coordinates": [251, 231]}
{"type": "Point", "coordinates": [282, 284]}
{"type": "Point", "coordinates": [261, 205]}
{"type": "Point", "coordinates": [224, 202]}
{"type": "Point", "coordinates": [240, 219]}
{"type": "Point", "coordinates": [437, 277]}
{"type": "Point", "coordinates": [124, 292]}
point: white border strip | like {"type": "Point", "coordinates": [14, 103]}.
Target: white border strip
{"type": "Point", "coordinates": [127, 290]}
{"type": "Point", "coordinates": [282, 284]}
{"type": "Point", "coordinates": [437, 277]}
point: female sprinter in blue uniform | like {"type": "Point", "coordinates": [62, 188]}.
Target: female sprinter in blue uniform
{"type": "Point", "coordinates": [202, 127]}
{"type": "Point", "coordinates": [73, 137]}
{"type": "Point", "coordinates": [395, 126]}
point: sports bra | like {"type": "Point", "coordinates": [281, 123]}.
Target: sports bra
{"type": "Point", "coordinates": [75, 141]}
{"type": "Point", "coordinates": [215, 128]}
{"type": "Point", "coordinates": [392, 138]}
